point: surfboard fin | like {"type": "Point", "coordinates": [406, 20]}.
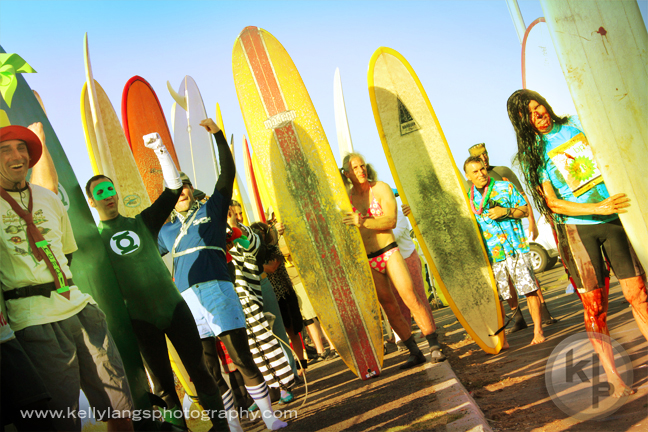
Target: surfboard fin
{"type": "Point", "coordinates": [180, 100]}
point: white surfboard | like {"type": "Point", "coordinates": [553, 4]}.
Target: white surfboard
{"type": "Point", "coordinates": [193, 143]}
{"type": "Point", "coordinates": [602, 48]}
{"type": "Point", "coordinates": [345, 144]}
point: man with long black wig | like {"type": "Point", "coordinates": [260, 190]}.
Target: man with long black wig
{"type": "Point", "coordinates": [567, 187]}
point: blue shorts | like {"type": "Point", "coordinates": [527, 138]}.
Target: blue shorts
{"type": "Point", "coordinates": [215, 307]}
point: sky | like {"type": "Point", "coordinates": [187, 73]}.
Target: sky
{"type": "Point", "coordinates": [466, 53]}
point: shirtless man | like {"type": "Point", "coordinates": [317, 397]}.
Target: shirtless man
{"type": "Point", "coordinates": [375, 215]}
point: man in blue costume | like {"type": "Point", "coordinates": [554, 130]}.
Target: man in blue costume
{"type": "Point", "coordinates": [196, 239]}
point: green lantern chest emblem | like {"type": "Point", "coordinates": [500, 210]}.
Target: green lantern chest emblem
{"type": "Point", "coordinates": [124, 242]}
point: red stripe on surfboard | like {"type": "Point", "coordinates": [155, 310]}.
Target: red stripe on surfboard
{"type": "Point", "coordinates": [524, 41]}
{"type": "Point", "coordinates": [298, 168]}
{"type": "Point", "coordinates": [255, 187]}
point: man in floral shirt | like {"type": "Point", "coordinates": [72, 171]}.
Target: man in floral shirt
{"type": "Point", "coordinates": [498, 208]}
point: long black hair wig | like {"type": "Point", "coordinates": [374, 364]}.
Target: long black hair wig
{"type": "Point", "coordinates": [531, 143]}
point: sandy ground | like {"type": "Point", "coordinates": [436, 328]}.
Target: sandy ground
{"type": "Point", "coordinates": [510, 387]}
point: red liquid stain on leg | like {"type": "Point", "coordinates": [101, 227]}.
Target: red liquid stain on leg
{"type": "Point", "coordinates": [634, 290]}
{"type": "Point", "coordinates": [595, 303]}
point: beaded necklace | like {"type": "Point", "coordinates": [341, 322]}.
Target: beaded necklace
{"type": "Point", "coordinates": [484, 198]}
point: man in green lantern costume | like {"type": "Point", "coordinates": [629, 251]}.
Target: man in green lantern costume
{"type": "Point", "coordinates": [155, 306]}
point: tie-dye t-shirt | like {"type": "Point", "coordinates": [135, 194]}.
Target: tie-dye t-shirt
{"type": "Point", "coordinates": [504, 236]}
{"type": "Point", "coordinates": [573, 172]}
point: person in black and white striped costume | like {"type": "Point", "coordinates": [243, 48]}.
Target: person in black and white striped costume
{"type": "Point", "coordinates": [264, 346]}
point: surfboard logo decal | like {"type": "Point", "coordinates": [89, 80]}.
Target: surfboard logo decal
{"type": "Point", "coordinates": [280, 120]}
{"type": "Point", "coordinates": [132, 200]}
{"type": "Point", "coordinates": [124, 242]}
{"type": "Point", "coordinates": [405, 119]}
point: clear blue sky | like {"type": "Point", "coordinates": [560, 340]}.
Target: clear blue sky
{"type": "Point", "coordinates": [466, 54]}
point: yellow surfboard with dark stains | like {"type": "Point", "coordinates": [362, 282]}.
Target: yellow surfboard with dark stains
{"type": "Point", "coordinates": [307, 193]}
{"type": "Point", "coordinates": [429, 182]}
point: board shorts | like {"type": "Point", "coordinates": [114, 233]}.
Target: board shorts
{"type": "Point", "coordinates": [378, 259]}
{"type": "Point", "coordinates": [79, 353]}
{"type": "Point", "coordinates": [215, 307]}
{"type": "Point", "coordinates": [580, 250]}
{"type": "Point", "coordinates": [520, 271]}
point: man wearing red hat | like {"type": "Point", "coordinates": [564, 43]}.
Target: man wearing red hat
{"type": "Point", "coordinates": [61, 329]}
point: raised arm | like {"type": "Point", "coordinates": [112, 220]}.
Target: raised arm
{"type": "Point", "coordinates": [225, 183]}
{"type": "Point", "coordinates": [155, 216]}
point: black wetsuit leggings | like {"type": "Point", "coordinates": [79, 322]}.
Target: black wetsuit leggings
{"type": "Point", "coordinates": [183, 334]}
{"type": "Point", "coordinates": [238, 348]}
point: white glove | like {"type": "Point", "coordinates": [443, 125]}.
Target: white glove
{"type": "Point", "coordinates": [154, 142]}
{"type": "Point", "coordinates": [169, 170]}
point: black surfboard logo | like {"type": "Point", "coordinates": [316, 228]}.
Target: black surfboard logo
{"type": "Point", "coordinates": [405, 119]}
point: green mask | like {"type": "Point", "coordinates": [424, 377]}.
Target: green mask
{"type": "Point", "coordinates": [103, 190]}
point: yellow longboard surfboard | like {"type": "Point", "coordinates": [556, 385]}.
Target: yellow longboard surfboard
{"type": "Point", "coordinates": [602, 46]}
{"type": "Point", "coordinates": [429, 182]}
{"type": "Point", "coordinates": [108, 148]}
{"type": "Point", "coordinates": [303, 181]}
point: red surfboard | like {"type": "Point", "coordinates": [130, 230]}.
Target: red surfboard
{"type": "Point", "coordinates": [141, 115]}
{"type": "Point", "coordinates": [252, 181]}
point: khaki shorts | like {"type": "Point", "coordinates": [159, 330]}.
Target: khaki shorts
{"type": "Point", "coordinates": [78, 353]}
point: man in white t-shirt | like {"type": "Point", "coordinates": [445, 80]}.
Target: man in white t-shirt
{"type": "Point", "coordinates": [60, 328]}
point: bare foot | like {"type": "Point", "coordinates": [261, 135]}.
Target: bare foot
{"type": "Point", "coordinates": [620, 389]}
{"type": "Point", "coordinates": [505, 346]}
{"type": "Point", "coordinates": [537, 339]}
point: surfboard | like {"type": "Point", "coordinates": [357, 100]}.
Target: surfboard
{"type": "Point", "coordinates": [142, 114]}
{"type": "Point", "coordinates": [304, 182]}
{"type": "Point", "coordinates": [109, 146]}
{"type": "Point", "coordinates": [541, 70]}
{"type": "Point", "coordinates": [345, 145]}
{"type": "Point", "coordinates": [120, 161]}
{"type": "Point", "coordinates": [91, 267]}
{"type": "Point", "coordinates": [602, 50]}
{"type": "Point", "coordinates": [257, 205]}
{"type": "Point", "coordinates": [429, 182]}
{"type": "Point", "coordinates": [266, 201]}
{"type": "Point", "coordinates": [193, 143]}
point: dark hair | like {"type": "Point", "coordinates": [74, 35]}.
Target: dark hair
{"type": "Point", "coordinates": [261, 229]}
{"type": "Point", "coordinates": [235, 203]}
{"type": "Point", "coordinates": [97, 177]}
{"type": "Point", "coordinates": [472, 159]}
{"type": "Point", "coordinates": [531, 144]}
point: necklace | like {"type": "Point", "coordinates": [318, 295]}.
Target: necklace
{"type": "Point", "coordinates": [484, 198]}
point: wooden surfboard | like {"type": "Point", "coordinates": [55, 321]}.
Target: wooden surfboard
{"type": "Point", "coordinates": [541, 70]}
{"type": "Point", "coordinates": [303, 180]}
{"type": "Point", "coordinates": [257, 204]}
{"type": "Point", "coordinates": [602, 50]}
{"type": "Point", "coordinates": [142, 114]}
{"type": "Point", "coordinates": [345, 145]}
{"type": "Point", "coordinates": [429, 182]}
{"type": "Point", "coordinates": [107, 144]}
{"type": "Point", "coordinates": [91, 267]}
{"type": "Point", "coordinates": [193, 143]}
